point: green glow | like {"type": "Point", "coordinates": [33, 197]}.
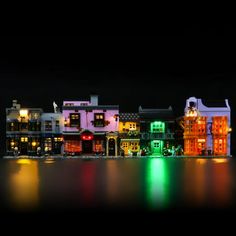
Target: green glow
{"type": "Point", "coordinates": [157, 184]}
{"type": "Point", "coordinates": [157, 127]}
{"type": "Point", "coordinates": [156, 147]}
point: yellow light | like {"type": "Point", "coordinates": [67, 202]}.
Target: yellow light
{"type": "Point", "coordinates": [201, 140]}
{"type": "Point", "coordinates": [24, 139]}
{"type": "Point", "coordinates": [34, 144]}
{"type": "Point", "coordinates": [23, 113]}
{"type": "Point", "coordinates": [24, 161]}
{"type": "Point", "coordinates": [12, 143]}
{"type": "Point", "coordinates": [216, 160]}
{"type": "Point", "coordinates": [229, 129]}
{"type": "Point", "coordinates": [49, 161]}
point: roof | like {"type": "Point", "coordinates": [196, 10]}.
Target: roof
{"type": "Point", "coordinates": [165, 114]}
{"type": "Point", "coordinates": [214, 103]}
{"type": "Point", "coordinates": [129, 117]}
{"type": "Point", "coordinates": [99, 107]}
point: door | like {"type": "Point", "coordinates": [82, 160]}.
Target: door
{"type": "Point", "coordinates": [111, 147]}
{"type": "Point", "coordinates": [24, 148]}
{"type": "Point", "coordinates": [87, 146]}
{"type": "Point", "coordinates": [156, 146]}
{"type": "Point", "coordinates": [125, 147]}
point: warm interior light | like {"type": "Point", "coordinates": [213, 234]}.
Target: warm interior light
{"type": "Point", "coordinates": [33, 144]}
{"type": "Point", "coordinates": [23, 113]}
{"type": "Point", "coordinates": [12, 143]}
{"type": "Point", "coordinates": [201, 140]}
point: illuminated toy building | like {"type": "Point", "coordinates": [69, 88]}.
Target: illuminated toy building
{"type": "Point", "coordinates": [23, 129]}
{"type": "Point", "coordinates": [129, 133]}
{"type": "Point", "coordinates": [156, 130]}
{"type": "Point", "coordinates": [28, 129]}
{"type": "Point", "coordinates": [90, 128]}
{"type": "Point", "coordinates": [206, 127]}
{"type": "Point", "coordinates": [51, 132]}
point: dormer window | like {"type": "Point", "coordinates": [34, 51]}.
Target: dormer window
{"type": "Point", "coordinates": [99, 119]}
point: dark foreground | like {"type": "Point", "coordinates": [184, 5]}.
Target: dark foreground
{"type": "Point", "coordinates": [156, 191]}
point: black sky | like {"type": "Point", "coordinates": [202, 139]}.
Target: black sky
{"type": "Point", "coordinates": [153, 66]}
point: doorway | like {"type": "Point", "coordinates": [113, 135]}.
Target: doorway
{"type": "Point", "coordinates": [111, 147]}
{"type": "Point", "coordinates": [87, 146]}
{"type": "Point", "coordinates": [156, 147]}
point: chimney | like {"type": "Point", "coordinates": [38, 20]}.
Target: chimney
{"type": "Point", "coordinates": [94, 100]}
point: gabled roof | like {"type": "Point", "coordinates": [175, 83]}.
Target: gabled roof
{"type": "Point", "coordinates": [165, 114]}
{"type": "Point", "coordinates": [214, 103]}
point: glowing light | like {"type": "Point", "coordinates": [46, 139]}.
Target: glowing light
{"type": "Point", "coordinates": [49, 161]}
{"type": "Point", "coordinates": [24, 161]}
{"type": "Point", "coordinates": [221, 160]}
{"type": "Point", "coordinates": [12, 143]}
{"type": "Point", "coordinates": [87, 137]}
{"type": "Point", "coordinates": [34, 144]}
{"type": "Point", "coordinates": [24, 191]}
{"type": "Point", "coordinates": [23, 113]}
{"type": "Point", "coordinates": [24, 139]}
{"type": "Point", "coordinates": [229, 129]}
{"type": "Point", "coordinates": [201, 140]}
{"type": "Point", "coordinates": [157, 183]}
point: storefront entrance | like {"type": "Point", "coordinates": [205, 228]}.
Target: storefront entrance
{"type": "Point", "coordinates": [111, 147]}
{"type": "Point", "coordinates": [156, 147]}
{"type": "Point", "coordinates": [87, 146]}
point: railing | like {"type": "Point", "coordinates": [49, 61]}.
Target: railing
{"type": "Point", "coordinates": [157, 136]}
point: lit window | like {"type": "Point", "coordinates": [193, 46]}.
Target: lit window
{"type": "Point", "coordinates": [48, 125]}
{"type": "Point", "coordinates": [99, 119]}
{"type": "Point", "coordinates": [74, 120]}
{"type": "Point", "coordinates": [24, 139]}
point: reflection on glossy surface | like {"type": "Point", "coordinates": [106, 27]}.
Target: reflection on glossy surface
{"type": "Point", "coordinates": [150, 184]}
{"type": "Point", "coordinates": [49, 161]}
{"type": "Point", "coordinates": [23, 184]}
{"type": "Point", "coordinates": [157, 183]}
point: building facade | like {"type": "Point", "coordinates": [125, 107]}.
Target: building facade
{"type": "Point", "coordinates": [156, 131]}
{"type": "Point", "coordinates": [129, 133]}
{"type": "Point", "coordinates": [23, 129]}
{"type": "Point", "coordinates": [51, 132]}
{"type": "Point", "coordinates": [206, 127]}
{"type": "Point", "coordinates": [90, 128]}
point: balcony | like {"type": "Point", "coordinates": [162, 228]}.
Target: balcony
{"type": "Point", "coordinates": [160, 136]}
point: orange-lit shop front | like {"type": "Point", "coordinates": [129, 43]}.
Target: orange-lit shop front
{"type": "Point", "coordinates": [220, 132]}
{"type": "Point", "coordinates": [195, 135]}
{"type": "Point", "coordinates": [84, 143]}
{"type": "Point", "coordinates": [72, 144]}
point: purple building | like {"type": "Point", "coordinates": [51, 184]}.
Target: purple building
{"type": "Point", "coordinates": [90, 128]}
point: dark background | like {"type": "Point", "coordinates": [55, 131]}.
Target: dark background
{"type": "Point", "coordinates": [150, 65]}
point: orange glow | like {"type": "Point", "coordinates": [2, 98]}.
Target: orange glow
{"type": "Point", "coordinates": [195, 134]}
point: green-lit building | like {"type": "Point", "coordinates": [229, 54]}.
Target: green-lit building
{"type": "Point", "coordinates": [157, 131]}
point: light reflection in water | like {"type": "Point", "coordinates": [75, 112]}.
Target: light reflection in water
{"type": "Point", "coordinates": [112, 179]}
{"type": "Point", "coordinates": [123, 183]}
{"type": "Point", "coordinates": [24, 184]}
{"type": "Point", "coordinates": [220, 183]}
{"type": "Point", "coordinates": [49, 161]}
{"type": "Point", "coordinates": [195, 182]}
{"type": "Point", "coordinates": [207, 182]}
{"type": "Point", "coordinates": [87, 183]}
{"type": "Point", "coordinates": [157, 183]}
